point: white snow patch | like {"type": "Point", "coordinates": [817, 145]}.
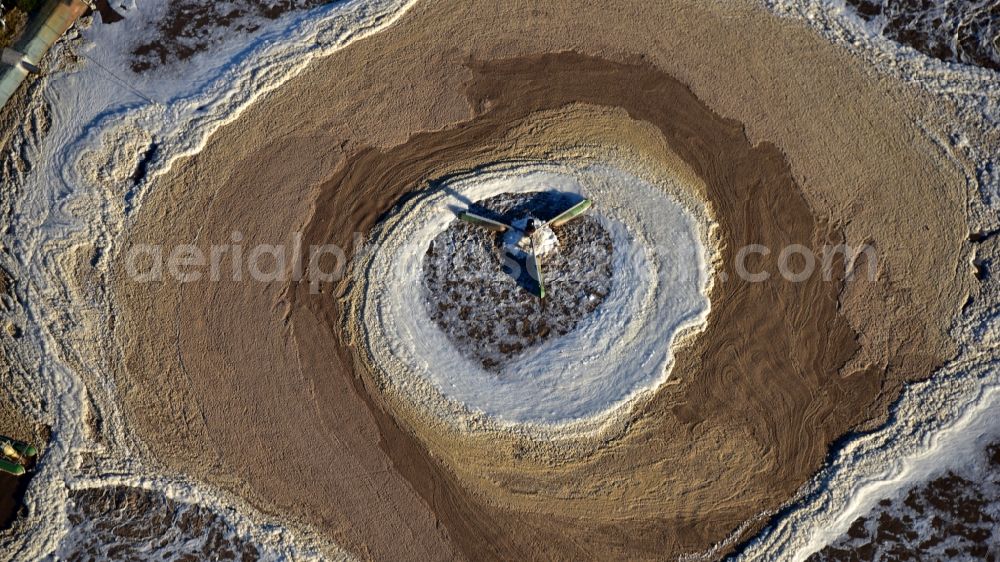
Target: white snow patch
{"type": "Point", "coordinates": [936, 421]}
{"type": "Point", "coordinates": [108, 125]}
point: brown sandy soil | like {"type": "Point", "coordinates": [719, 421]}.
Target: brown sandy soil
{"type": "Point", "coordinates": [16, 20]}
{"type": "Point", "coordinates": [13, 423]}
{"type": "Point", "coordinates": [794, 144]}
{"type": "Point", "coordinates": [22, 120]}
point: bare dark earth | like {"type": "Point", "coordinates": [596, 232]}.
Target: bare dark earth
{"type": "Point", "coordinates": [952, 517]}
{"type": "Point", "coordinates": [965, 31]}
{"type": "Point", "coordinates": [123, 523]}
{"type": "Point", "coordinates": [191, 26]}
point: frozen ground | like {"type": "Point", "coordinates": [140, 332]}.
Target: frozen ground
{"type": "Point", "coordinates": [187, 27]}
{"type": "Point", "coordinates": [942, 424]}
{"type": "Point", "coordinates": [108, 130]}
{"type": "Point", "coordinates": [120, 522]}
{"type": "Point", "coordinates": [973, 89]}
{"type": "Point", "coordinates": [616, 354]}
{"type": "Point", "coordinates": [96, 134]}
{"type": "Point", "coordinates": [117, 523]}
{"type": "Point", "coordinates": [962, 31]}
{"type": "Point", "coordinates": [477, 289]}
{"type": "Point", "coordinates": [953, 516]}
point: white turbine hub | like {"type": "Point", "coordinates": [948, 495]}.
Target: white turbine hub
{"type": "Point", "coordinates": [545, 238]}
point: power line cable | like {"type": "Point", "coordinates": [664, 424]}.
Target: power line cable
{"type": "Point", "coordinates": [121, 80]}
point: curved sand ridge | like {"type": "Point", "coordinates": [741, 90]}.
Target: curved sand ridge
{"type": "Point", "coordinates": [620, 351]}
{"type": "Point", "coordinates": [753, 401]}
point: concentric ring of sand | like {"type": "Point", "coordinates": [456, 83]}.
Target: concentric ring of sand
{"type": "Point", "coordinates": [568, 384]}
{"type": "Point", "coordinates": [235, 355]}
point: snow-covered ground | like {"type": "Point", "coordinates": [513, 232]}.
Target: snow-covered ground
{"type": "Point", "coordinates": [619, 353]}
{"type": "Point", "coordinates": [107, 125]}
{"type": "Point", "coordinates": [109, 131]}
{"type": "Point", "coordinates": [964, 31]}
{"type": "Point", "coordinates": [971, 88]}
{"type": "Point", "coordinates": [950, 511]}
{"type": "Point", "coordinates": [943, 423]}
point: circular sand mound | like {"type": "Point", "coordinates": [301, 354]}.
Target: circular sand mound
{"type": "Point", "coordinates": [475, 285]}
{"type": "Point", "coordinates": [607, 355]}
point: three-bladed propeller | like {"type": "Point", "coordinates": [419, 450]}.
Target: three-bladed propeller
{"type": "Point", "coordinates": [530, 231]}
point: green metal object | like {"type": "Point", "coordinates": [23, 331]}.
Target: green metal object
{"type": "Point", "coordinates": [22, 448]}
{"type": "Point", "coordinates": [11, 467]}
{"type": "Point", "coordinates": [29, 450]}
{"type": "Point", "coordinates": [571, 213]}
{"type": "Point", "coordinates": [536, 264]}
{"type": "Point", "coordinates": [484, 222]}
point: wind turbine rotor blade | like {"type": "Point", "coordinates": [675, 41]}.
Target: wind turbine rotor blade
{"type": "Point", "coordinates": [484, 222]}
{"type": "Point", "coordinates": [571, 213]}
{"type": "Point", "coordinates": [535, 263]}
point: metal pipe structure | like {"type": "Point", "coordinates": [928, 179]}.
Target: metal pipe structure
{"type": "Point", "coordinates": [44, 29]}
